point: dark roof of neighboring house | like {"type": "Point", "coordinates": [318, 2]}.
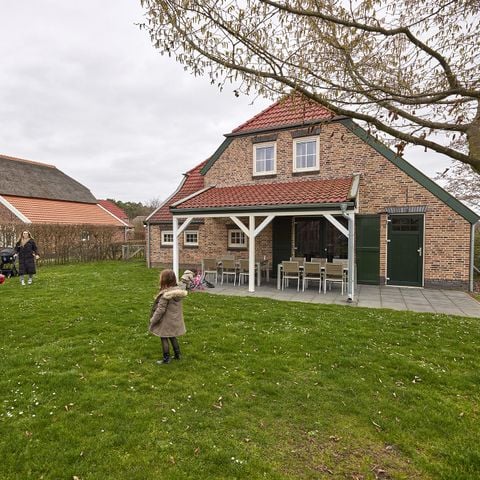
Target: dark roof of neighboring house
{"type": "Point", "coordinates": [192, 182]}
{"type": "Point", "coordinates": [114, 210]}
{"type": "Point", "coordinates": [40, 210]}
{"type": "Point", "coordinates": [295, 193]}
{"type": "Point", "coordinates": [289, 110]}
{"type": "Point", "coordinates": [24, 178]}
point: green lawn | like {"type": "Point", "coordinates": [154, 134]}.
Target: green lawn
{"type": "Point", "coordinates": [266, 389]}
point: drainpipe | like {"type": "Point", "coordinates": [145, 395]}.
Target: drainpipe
{"type": "Point", "coordinates": [472, 256]}
{"type": "Point", "coordinates": [148, 244]}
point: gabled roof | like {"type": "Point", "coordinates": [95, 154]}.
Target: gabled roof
{"type": "Point", "coordinates": [24, 178]}
{"type": "Point", "coordinates": [296, 193]}
{"type": "Point", "coordinates": [459, 207]}
{"type": "Point", "coordinates": [288, 111]}
{"type": "Point", "coordinates": [39, 210]}
{"type": "Point", "coordinates": [192, 182]}
{"type": "Point", "coordinates": [115, 210]}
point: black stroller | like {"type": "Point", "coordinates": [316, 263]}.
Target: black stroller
{"type": "Point", "coordinates": [7, 262]}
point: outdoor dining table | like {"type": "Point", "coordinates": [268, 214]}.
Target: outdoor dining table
{"type": "Point", "coordinates": [300, 267]}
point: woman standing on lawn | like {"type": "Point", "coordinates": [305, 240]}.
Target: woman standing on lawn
{"type": "Point", "coordinates": [27, 253]}
{"type": "Point", "coordinates": [166, 319]}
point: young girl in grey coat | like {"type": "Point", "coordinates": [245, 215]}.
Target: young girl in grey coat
{"type": "Point", "coordinates": [166, 320]}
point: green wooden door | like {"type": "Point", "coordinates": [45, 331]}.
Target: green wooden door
{"type": "Point", "coordinates": [281, 241]}
{"type": "Point", "coordinates": [405, 250]}
{"type": "Point", "coordinates": [367, 228]}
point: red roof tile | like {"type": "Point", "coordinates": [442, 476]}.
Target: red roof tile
{"type": "Point", "coordinates": [39, 210]}
{"type": "Point", "coordinates": [275, 194]}
{"type": "Point", "coordinates": [289, 110]}
{"type": "Point", "coordinates": [193, 182]}
{"type": "Point", "coordinates": [115, 210]}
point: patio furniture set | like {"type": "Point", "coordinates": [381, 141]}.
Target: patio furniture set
{"type": "Point", "coordinates": [237, 269]}
{"type": "Point", "coordinates": [316, 270]}
{"type": "Point", "coordinates": [297, 268]}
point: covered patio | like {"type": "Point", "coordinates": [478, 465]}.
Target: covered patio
{"type": "Point", "coordinates": [253, 207]}
{"type": "Point", "coordinates": [449, 302]}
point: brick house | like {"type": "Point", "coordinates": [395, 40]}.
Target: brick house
{"type": "Point", "coordinates": [33, 193]}
{"type": "Point", "coordinates": [295, 180]}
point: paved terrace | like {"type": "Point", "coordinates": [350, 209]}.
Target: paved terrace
{"type": "Point", "coordinates": [450, 302]}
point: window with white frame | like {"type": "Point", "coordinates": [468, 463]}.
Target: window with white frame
{"type": "Point", "coordinates": [167, 237]}
{"type": "Point", "coordinates": [264, 159]}
{"type": "Point", "coordinates": [190, 238]}
{"type": "Point", "coordinates": [305, 154]}
{"type": "Point", "coordinates": [236, 239]}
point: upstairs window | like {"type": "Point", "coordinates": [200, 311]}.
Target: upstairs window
{"type": "Point", "coordinates": [305, 154]}
{"type": "Point", "coordinates": [264, 159]}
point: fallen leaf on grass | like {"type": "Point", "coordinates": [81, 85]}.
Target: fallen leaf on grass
{"type": "Point", "coordinates": [377, 425]}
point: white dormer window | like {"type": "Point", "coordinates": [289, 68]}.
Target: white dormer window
{"type": "Point", "coordinates": [265, 159]}
{"type": "Point", "coordinates": [305, 154]}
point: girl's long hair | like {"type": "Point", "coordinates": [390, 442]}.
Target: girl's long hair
{"type": "Point", "coordinates": [167, 279]}
{"type": "Point", "coordinates": [20, 238]}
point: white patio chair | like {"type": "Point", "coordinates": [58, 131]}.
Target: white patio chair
{"type": "Point", "coordinates": [312, 271]}
{"type": "Point", "coordinates": [290, 271]}
{"type": "Point", "coordinates": [322, 261]}
{"type": "Point", "coordinates": [210, 267]}
{"type": "Point", "coordinates": [300, 260]}
{"type": "Point", "coordinates": [228, 268]}
{"type": "Point", "coordinates": [244, 270]}
{"type": "Point", "coordinates": [333, 274]}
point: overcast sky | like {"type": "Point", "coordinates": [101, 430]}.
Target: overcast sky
{"type": "Point", "coordinates": [82, 88]}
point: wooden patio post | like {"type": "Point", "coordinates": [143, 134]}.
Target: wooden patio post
{"type": "Point", "coordinates": [175, 247]}
{"type": "Point", "coordinates": [251, 253]}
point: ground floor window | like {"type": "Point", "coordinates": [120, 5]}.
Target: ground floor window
{"type": "Point", "coordinates": [236, 239]}
{"type": "Point", "coordinates": [190, 238]}
{"type": "Point", "coordinates": [167, 237]}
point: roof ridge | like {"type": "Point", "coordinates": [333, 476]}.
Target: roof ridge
{"type": "Point", "coordinates": [290, 108]}
{"type": "Point", "coordinates": [250, 120]}
{"type": "Point", "coordinates": [24, 160]}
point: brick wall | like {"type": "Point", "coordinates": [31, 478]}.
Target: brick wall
{"type": "Point", "coordinates": [6, 216]}
{"type": "Point", "coordinates": [447, 234]}
{"type": "Point", "coordinates": [213, 243]}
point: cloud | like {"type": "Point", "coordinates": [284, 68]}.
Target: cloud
{"type": "Point", "coordinates": [82, 88]}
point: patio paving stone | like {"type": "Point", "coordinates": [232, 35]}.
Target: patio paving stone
{"type": "Point", "coordinates": [449, 302]}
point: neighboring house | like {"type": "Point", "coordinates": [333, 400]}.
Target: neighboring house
{"type": "Point", "coordinates": [115, 210]}
{"type": "Point", "coordinates": [295, 180]}
{"type": "Point", "coordinates": [37, 193]}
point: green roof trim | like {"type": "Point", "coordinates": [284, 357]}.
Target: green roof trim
{"type": "Point", "coordinates": [413, 172]}
{"type": "Point", "coordinates": [216, 155]}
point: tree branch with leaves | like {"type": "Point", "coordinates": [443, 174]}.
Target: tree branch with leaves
{"type": "Point", "coordinates": [410, 69]}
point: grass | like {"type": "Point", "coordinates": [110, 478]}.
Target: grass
{"type": "Point", "coordinates": [266, 389]}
